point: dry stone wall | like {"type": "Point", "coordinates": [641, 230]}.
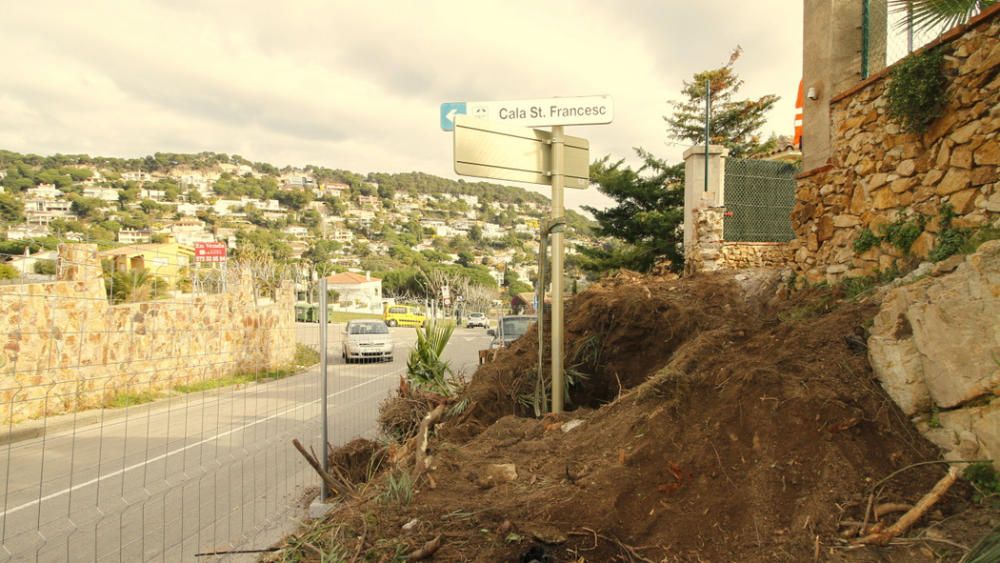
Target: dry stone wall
{"type": "Point", "coordinates": [709, 252]}
{"type": "Point", "coordinates": [66, 348]}
{"type": "Point", "coordinates": [878, 173]}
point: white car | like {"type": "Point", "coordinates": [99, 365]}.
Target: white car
{"type": "Point", "coordinates": [477, 319]}
{"type": "Point", "coordinates": [367, 340]}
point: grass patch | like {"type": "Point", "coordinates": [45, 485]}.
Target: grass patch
{"type": "Point", "coordinates": [130, 399]}
{"type": "Point", "coordinates": [237, 379]}
{"type": "Point", "coordinates": [399, 489]}
{"type": "Point", "coordinates": [343, 317]}
{"type": "Point", "coordinates": [305, 356]}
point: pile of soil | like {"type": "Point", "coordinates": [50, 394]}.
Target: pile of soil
{"type": "Point", "coordinates": [710, 426]}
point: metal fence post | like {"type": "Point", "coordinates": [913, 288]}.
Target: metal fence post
{"type": "Point", "coordinates": [324, 399]}
{"type": "Point", "coordinates": [865, 32]}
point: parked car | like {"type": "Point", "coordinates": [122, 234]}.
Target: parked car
{"type": "Point", "coordinates": [403, 315]}
{"type": "Point", "coordinates": [509, 329]}
{"type": "Point", "coordinates": [477, 319]}
{"type": "Point", "coordinates": [367, 340]}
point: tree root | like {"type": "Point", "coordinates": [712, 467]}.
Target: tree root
{"type": "Point", "coordinates": [911, 516]}
{"type": "Point", "coordinates": [425, 552]}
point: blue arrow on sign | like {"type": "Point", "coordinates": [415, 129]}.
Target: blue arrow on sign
{"type": "Point", "coordinates": [448, 112]}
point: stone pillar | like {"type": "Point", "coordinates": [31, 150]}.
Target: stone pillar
{"type": "Point", "coordinates": [80, 263]}
{"type": "Point", "coordinates": [695, 195]}
{"type": "Point", "coordinates": [831, 62]}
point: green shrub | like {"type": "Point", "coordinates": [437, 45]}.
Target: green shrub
{"type": "Point", "coordinates": [45, 267]}
{"type": "Point", "coordinates": [866, 240]}
{"type": "Point", "coordinates": [917, 90]}
{"type": "Point", "coordinates": [904, 232]}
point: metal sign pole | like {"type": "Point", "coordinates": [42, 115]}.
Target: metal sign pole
{"type": "Point", "coordinates": [324, 421]}
{"type": "Point", "coordinates": [558, 168]}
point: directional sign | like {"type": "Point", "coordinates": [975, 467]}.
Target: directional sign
{"type": "Point", "coordinates": [448, 112]}
{"type": "Point", "coordinates": [543, 112]}
{"type": "Point", "coordinates": [490, 150]}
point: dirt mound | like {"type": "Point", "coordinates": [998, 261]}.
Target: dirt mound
{"type": "Point", "coordinates": [359, 460]}
{"type": "Point", "coordinates": [737, 433]}
{"type": "Point", "coordinates": [617, 333]}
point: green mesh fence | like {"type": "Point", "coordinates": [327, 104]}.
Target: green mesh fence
{"type": "Point", "coordinates": [759, 199]}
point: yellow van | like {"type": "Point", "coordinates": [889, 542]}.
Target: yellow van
{"type": "Point", "coordinates": [403, 315]}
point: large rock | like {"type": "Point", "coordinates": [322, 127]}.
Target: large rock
{"type": "Point", "coordinates": [939, 337]}
{"type": "Point", "coordinates": [935, 344]}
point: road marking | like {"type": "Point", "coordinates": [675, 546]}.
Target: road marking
{"type": "Point", "coordinates": [179, 450]}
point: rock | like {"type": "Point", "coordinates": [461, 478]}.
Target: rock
{"type": "Point", "coordinates": [923, 245]}
{"type": "Point", "coordinates": [885, 199]}
{"type": "Point", "coordinates": [962, 157]}
{"type": "Point", "coordinates": [906, 168]}
{"type": "Point", "coordinates": [497, 473]}
{"type": "Point", "coordinates": [984, 175]}
{"type": "Point", "coordinates": [963, 201]}
{"type": "Point", "coordinates": [988, 153]}
{"type": "Point", "coordinates": [956, 179]}
{"type": "Point", "coordinates": [964, 133]}
{"type": "Point", "coordinates": [932, 177]}
{"type": "Point", "coordinates": [546, 533]}
{"type": "Point", "coordinates": [411, 524]}
{"type": "Point", "coordinates": [939, 337]}
{"type": "Point", "coordinates": [902, 184]}
{"type": "Point", "coordinates": [947, 265]}
{"type": "Point", "coordinates": [843, 221]}
{"type": "Point", "coordinates": [570, 425]}
{"type": "Point", "coordinates": [824, 228]}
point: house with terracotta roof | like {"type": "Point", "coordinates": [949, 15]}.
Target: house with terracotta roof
{"type": "Point", "coordinates": [357, 291]}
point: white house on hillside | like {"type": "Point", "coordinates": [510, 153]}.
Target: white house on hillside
{"type": "Point", "coordinates": [358, 292]}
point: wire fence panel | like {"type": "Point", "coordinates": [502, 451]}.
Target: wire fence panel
{"type": "Point", "coordinates": [148, 404]}
{"type": "Point", "coordinates": [759, 196]}
{"type": "Point", "coordinates": [892, 29]}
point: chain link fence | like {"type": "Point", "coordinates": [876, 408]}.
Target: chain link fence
{"type": "Point", "coordinates": [759, 196]}
{"type": "Point", "coordinates": [147, 405]}
{"type": "Point", "coordinates": [892, 29]}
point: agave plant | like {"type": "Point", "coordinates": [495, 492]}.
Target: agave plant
{"type": "Point", "coordinates": [938, 14]}
{"type": "Point", "coordinates": [425, 367]}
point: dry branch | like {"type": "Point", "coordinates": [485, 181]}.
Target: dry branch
{"type": "Point", "coordinates": [423, 436]}
{"type": "Point", "coordinates": [907, 520]}
{"type": "Point", "coordinates": [341, 487]}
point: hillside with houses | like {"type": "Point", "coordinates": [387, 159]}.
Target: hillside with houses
{"type": "Point", "coordinates": [317, 220]}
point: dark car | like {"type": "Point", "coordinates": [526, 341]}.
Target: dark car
{"type": "Point", "coordinates": [509, 329]}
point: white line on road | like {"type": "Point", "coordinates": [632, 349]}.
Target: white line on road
{"type": "Point", "coordinates": [179, 450]}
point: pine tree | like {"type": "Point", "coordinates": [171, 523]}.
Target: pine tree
{"type": "Point", "coordinates": [734, 123]}
{"type": "Point", "coordinates": [647, 218]}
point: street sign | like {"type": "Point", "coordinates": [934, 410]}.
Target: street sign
{"type": "Point", "coordinates": [448, 112]}
{"type": "Point", "coordinates": [491, 150]}
{"type": "Point", "coordinates": [542, 112]}
{"type": "Point", "coordinates": [209, 252]}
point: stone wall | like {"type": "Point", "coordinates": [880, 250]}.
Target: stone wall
{"type": "Point", "coordinates": [66, 348]}
{"type": "Point", "coordinates": [877, 172]}
{"type": "Point", "coordinates": [708, 252]}
{"type": "Point", "coordinates": [934, 347]}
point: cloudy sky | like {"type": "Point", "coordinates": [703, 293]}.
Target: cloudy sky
{"type": "Point", "coordinates": [358, 85]}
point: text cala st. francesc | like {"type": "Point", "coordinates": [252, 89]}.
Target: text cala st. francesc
{"type": "Point", "coordinates": [541, 112]}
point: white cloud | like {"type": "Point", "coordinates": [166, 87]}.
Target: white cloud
{"type": "Point", "coordinates": [357, 85]}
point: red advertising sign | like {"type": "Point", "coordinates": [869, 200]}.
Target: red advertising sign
{"type": "Point", "coordinates": [209, 252]}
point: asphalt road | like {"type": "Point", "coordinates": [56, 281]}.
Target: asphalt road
{"type": "Point", "coordinates": [192, 473]}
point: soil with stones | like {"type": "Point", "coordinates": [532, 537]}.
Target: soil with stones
{"type": "Point", "coordinates": [714, 420]}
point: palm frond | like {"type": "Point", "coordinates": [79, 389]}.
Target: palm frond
{"type": "Point", "coordinates": [937, 15]}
